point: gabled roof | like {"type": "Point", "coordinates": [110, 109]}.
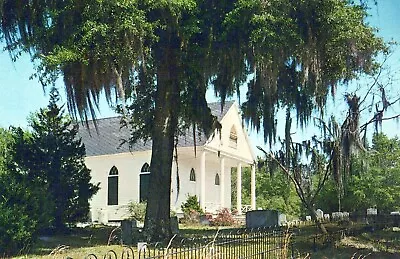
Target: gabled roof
{"type": "Point", "coordinates": [109, 136]}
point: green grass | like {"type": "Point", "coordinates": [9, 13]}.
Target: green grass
{"type": "Point", "coordinates": [78, 241]}
{"type": "Point", "coordinates": [383, 244]}
{"type": "Point", "coordinates": [83, 241]}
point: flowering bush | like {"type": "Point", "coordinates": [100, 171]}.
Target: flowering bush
{"type": "Point", "coordinates": [223, 218]}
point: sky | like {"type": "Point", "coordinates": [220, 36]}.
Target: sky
{"type": "Point", "coordinates": [21, 96]}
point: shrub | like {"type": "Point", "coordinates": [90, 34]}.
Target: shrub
{"type": "Point", "coordinates": [191, 210]}
{"type": "Point", "coordinates": [223, 218]}
{"type": "Point", "coordinates": [192, 217]}
{"type": "Point", "coordinates": [23, 213]}
{"type": "Point", "coordinates": [137, 210]}
{"type": "Point", "coordinates": [17, 230]}
{"type": "Point", "coordinates": [191, 204]}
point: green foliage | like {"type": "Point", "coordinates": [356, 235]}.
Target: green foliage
{"type": "Point", "coordinates": [25, 206]}
{"type": "Point", "coordinates": [137, 210]}
{"type": "Point", "coordinates": [327, 201]}
{"type": "Point", "coordinates": [53, 157]}
{"type": "Point", "coordinates": [191, 210]}
{"type": "Point", "coordinates": [167, 53]}
{"type": "Point", "coordinates": [191, 204]}
{"type": "Point", "coordinates": [297, 50]}
{"type": "Point", "coordinates": [274, 191]}
{"type": "Point", "coordinates": [23, 213]}
{"type": "Point", "coordinates": [374, 180]}
{"type": "Point", "coordinates": [375, 177]}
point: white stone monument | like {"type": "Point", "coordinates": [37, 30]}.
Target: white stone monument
{"type": "Point", "coordinates": [320, 214]}
{"type": "Point", "coordinates": [372, 211]}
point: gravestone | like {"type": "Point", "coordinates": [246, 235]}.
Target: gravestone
{"type": "Point", "coordinates": [204, 220]}
{"type": "Point", "coordinates": [282, 219]}
{"type": "Point", "coordinates": [129, 231]}
{"type": "Point", "coordinates": [141, 248]}
{"type": "Point", "coordinates": [372, 211]}
{"type": "Point", "coordinates": [372, 215]}
{"type": "Point", "coordinates": [263, 218]}
{"type": "Point", "coordinates": [320, 214]}
{"type": "Point", "coordinates": [395, 217]}
{"type": "Point", "coordinates": [339, 216]}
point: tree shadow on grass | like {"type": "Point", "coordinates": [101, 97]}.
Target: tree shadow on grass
{"type": "Point", "coordinates": [74, 238]}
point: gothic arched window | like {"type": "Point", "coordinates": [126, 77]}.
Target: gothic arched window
{"type": "Point", "coordinates": [112, 197]}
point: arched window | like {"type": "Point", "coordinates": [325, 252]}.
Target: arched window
{"type": "Point", "coordinates": [145, 168]}
{"type": "Point", "coordinates": [144, 182]}
{"type": "Point", "coordinates": [233, 138]}
{"type": "Point", "coordinates": [192, 177]}
{"type": "Point", "coordinates": [112, 198]}
{"type": "Point", "coordinates": [217, 179]}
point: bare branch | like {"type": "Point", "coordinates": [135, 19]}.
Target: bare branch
{"type": "Point", "coordinates": [375, 80]}
{"type": "Point", "coordinates": [288, 174]}
{"type": "Point", "coordinates": [324, 179]}
{"type": "Point", "coordinates": [374, 119]}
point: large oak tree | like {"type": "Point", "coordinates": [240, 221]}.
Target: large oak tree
{"type": "Point", "coordinates": [165, 54]}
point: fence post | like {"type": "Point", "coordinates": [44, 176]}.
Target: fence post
{"type": "Point", "coordinates": [292, 250]}
{"type": "Point", "coordinates": [315, 244]}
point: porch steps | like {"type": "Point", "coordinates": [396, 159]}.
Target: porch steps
{"type": "Point", "coordinates": [240, 219]}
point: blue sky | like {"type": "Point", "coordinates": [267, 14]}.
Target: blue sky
{"type": "Point", "coordinates": [20, 96]}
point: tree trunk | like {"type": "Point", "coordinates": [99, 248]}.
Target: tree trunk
{"type": "Point", "coordinates": [317, 221]}
{"type": "Point", "coordinates": [157, 222]}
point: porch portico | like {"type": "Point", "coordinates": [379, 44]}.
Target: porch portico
{"type": "Point", "coordinates": [226, 162]}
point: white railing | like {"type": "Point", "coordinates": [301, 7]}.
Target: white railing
{"type": "Point", "coordinates": [246, 208]}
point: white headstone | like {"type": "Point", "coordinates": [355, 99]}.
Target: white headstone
{"type": "Point", "coordinates": [372, 211]}
{"type": "Point", "coordinates": [326, 217]}
{"type": "Point", "coordinates": [141, 247]}
{"type": "Point", "coordinates": [308, 218]}
{"type": "Point", "coordinates": [320, 214]}
{"type": "Point", "coordinates": [336, 216]}
{"type": "Point", "coordinates": [281, 219]}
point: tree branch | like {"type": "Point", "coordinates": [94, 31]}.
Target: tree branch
{"type": "Point", "coordinates": [287, 172]}
{"type": "Point", "coordinates": [374, 119]}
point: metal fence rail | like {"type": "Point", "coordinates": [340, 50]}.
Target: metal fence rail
{"type": "Point", "coordinates": [302, 245]}
{"type": "Point", "coordinates": [256, 243]}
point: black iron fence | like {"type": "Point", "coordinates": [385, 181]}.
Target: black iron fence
{"type": "Point", "coordinates": [355, 225]}
{"type": "Point", "coordinates": [263, 243]}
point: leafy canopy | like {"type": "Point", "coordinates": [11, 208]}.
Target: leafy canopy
{"type": "Point", "coordinates": [296, 51]}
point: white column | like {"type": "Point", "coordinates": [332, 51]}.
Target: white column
{"type": "Point", "coordinates": [253, 187]}
{"type": "Point", "coordinates": [222, 183]}
{"type": "Point", "coordinates": [239, 189]}
{"type": "Point", "coordinates": [203, 180]}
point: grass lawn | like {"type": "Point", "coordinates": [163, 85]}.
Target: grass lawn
{"type": "Point", "coordinates": [78, 243]}
{"type": "Point", "coordinates": [383, 243]}
{"type": "Point", "coordinates": [93, 240]}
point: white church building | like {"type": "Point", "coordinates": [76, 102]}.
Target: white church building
{"type": "Point", "coordinates": [123, 172]}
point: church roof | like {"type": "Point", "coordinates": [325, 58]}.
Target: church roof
{"type": "Point", "coordinates": [109, 135]}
